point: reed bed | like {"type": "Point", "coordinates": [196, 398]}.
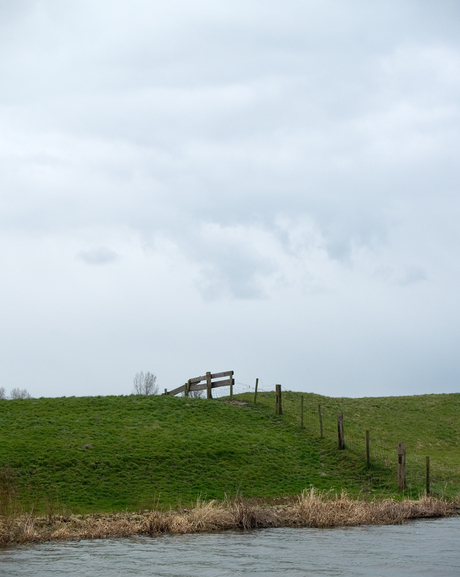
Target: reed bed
{"type": "Point", "coordinates": [311, 509]}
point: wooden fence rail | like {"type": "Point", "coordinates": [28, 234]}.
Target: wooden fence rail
{"type": "Point", "coordinates": [197, 384]}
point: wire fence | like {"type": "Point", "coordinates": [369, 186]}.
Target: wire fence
{"type": "Point", "coordinates": [239, 388]}
{"type": "Point", "coordinates": [382, 460]}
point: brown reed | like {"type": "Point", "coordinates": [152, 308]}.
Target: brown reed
{"type": "Point", "coordinates": [311, 509]}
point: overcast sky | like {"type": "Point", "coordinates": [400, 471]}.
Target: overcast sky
{"type": "Point", "coordinates": [259, 186]}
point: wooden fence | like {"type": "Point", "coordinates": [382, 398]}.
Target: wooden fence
{"type": "Point", "coordinates": [211, 381]}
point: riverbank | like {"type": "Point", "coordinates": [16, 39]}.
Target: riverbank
{"type": "Point", "coordinates": [113, 454]}
{"type": "Point", "coordinates": [310, 509]}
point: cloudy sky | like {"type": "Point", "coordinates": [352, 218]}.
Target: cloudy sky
{"type": "Point", "coordinates": [259, 186]}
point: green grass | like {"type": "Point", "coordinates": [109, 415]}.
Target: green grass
{"type": "Point", "coordinates": [165, 451]}
{"type": "Point", "coordinates": [428, 424]}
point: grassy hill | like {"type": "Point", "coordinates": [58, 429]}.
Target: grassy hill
{"type": "Point", "coordinates": [93, 454]}
{"type": "Point", "coordinates": [428, 424]}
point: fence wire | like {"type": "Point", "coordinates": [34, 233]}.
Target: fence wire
{"type": "Point", "coordinates": [238, 388]}
{"type": "Point", "coordinates": [380, 456]}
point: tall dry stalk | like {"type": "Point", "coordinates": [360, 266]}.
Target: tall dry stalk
{"type": "Point", "coordinates": [316, 510]}
{"type": "Point", "coordinates": [312, 509]}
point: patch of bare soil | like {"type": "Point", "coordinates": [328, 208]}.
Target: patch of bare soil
{"type": "Point", "coordinates": [237, 403]}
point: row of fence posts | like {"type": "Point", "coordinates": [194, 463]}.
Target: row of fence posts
{"type": "Point", "coordinates": [341, 439]}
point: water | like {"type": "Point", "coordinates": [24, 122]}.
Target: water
{"type": "Point", "coordinates": [428, 547]}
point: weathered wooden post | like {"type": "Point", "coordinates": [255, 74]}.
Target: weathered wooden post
{"type": "Point", "coordinates": [340, 431]}
{"type": "Point", "coordinates": [401, 465]}
{"type": "Point", "coordinates": [208, 385]}
{"type": "Point", "coordinates": [255, 391]}
{"type": "Point", "coordinates": [428, 475]}
{"type": "Point", "coordinates": [301, 412]}
{"type": "Point", "coordinates": [368, 458]}
{"type": "Point", "coordinates": [187, 388]}
{"type": "Point", "coordinates": [279, 409]}
{"type": "Point", "coordinates": [166, 391]}
{"type": "Point", "coordinates": [231, 385]}
{"type": "Point", "coordinates": [320, 421]}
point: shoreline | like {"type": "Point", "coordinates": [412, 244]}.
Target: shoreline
{"type": "Point", "coordinates": [311, 509]}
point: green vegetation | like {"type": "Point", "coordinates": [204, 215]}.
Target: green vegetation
{"type": "Point", "coordinates": [93, 454]}
{"type": "Point", "coordinates": [428, 424]}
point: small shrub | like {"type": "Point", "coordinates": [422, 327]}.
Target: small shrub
{"type": "Point", "coordinates": [19, 394]}
{"type": "Point", "coordinates": [145, 384]}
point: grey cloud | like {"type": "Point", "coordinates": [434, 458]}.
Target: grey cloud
{"type": "Point", "coordinates": [414, 274]}
{"type": "Point", "coordinates": [235, 281]}
{"type": "Point", "coordinates": [231, 263]}
{"type": "Point", "coordinates": [98, 256]}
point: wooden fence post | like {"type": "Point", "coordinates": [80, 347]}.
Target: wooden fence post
{"type": "Point", "coordinates": [401, 465]}
{"type": "Point", "coordinates": [279, 409]}
{"type": "Point", "coordinates": [368, 458]}
{"type": "Point", "coordinates": [255, 391]}
{"type": "Point", "coordinates": [187, 388]}
{"type": "Point", "coordinates": [208, 385]}
{"type": "Point", "coordinates": [428, 475]}
{"type": "Point", "coordinates": [301, 412]}
{"type": "Point", "coordinates": [320, 421]}
{"type": "Point", "coordinates": [231, 386]}
{"type": "Point", "coordinates": [340, 431]}
{"type": "Point", "coordinates": [166, 391]}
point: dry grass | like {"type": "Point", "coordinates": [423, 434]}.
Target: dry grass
{"type": "Point", "coordinates": [314, 510]}
{"type": "Point", "coordinates": [311, 509]}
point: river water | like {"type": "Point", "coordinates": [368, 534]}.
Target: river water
{"type": "Point", "coordinates": [426, 547]}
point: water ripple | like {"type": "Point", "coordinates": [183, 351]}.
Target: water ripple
{"type": "Point", "coordinates": [428, 547]}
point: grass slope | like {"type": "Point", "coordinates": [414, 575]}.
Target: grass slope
{"type": "Point", "coordinates": [428, 424]}
{"type": "Point", "coordinates": [164, 450]}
